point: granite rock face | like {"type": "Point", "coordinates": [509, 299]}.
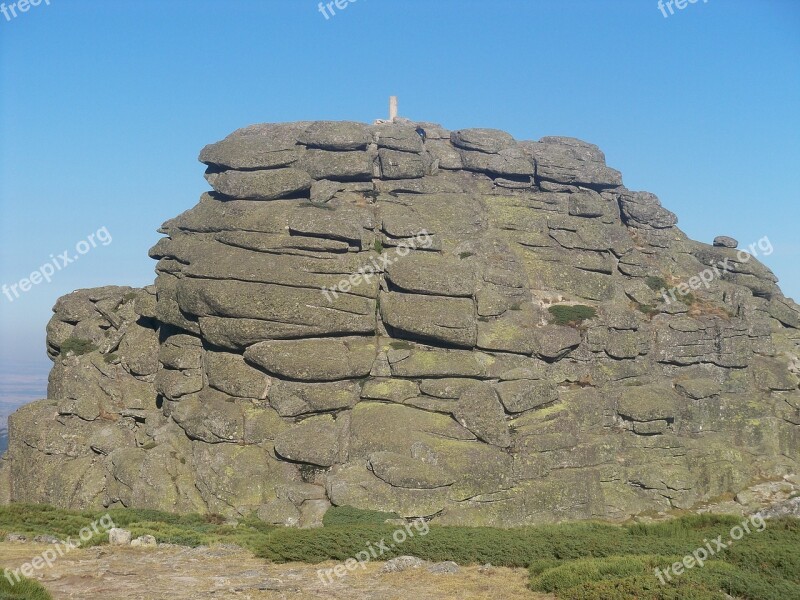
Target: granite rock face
{"type": "Point", "coordinates": [359, 315]}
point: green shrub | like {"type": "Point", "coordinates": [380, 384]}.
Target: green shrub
{"type": "Point", "coordinates": [627, 577]}
{"type": "Point", "coordinates": [77, 346]}
{"type": "Point", "coordinates": [378, 245]}
{"type": "Point", "coordinates": [347, 515]}
{"type": "Point", "coordinates": [587, 561]}
{"type": "Point", "coordinates": [540, 566]}
{"type": "Point", "coordinates": [566, 314]}
{"type": "Point", "coordinates": [640, 587]}
{"type": "Point", "coordinates": [687, 299]}
{"type": "Point", "coordinates": [25, 589]}
{"type": "Point", "coordinates": [656, 283]}
{"type": "Point", "coordinates": [647, 309]}
{"type": "Point", "coordinates": [579, 572]}
{"type": "Point", "coordinates": [188, 529]}
{"type": "Point", "coordinates": [762, 566]}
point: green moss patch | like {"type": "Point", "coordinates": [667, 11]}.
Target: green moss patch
{"type": "Point", "coordinates": [569, 314]}
{"type": "Point", "coordinates": [77, 347]}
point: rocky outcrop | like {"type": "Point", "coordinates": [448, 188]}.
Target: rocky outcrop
{"type": "Point", "coordinates": [457, 326]}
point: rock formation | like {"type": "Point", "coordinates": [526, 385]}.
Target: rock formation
{"type": "Point", "coordinates": [454, 325]}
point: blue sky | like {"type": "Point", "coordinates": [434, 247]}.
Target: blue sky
{"type": "Point", "coordinates": [106, 105]}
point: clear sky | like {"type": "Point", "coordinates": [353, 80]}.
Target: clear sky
{"type": "Point", "coordinates": [106, 104]}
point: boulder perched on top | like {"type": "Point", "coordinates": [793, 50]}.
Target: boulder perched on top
{"type": "Point", "coordinates": [723, 241]}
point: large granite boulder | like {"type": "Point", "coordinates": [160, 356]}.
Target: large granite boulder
{"type": "Point", "coordinates": [457, 326]}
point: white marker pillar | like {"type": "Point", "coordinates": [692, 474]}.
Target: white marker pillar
{"type": "Point", "coordinates": [392, 108]}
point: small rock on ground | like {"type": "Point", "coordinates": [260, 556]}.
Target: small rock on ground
{"type": "Point", "coordinates": [444, 567]}
{"type": "Point", "coordinates": [402, 563]}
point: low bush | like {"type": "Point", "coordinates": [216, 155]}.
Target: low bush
{"type": "Point", "coordinates": [77, 346]}
{"type": "Point", "coordinates": [25, 589]}
{"type": "Point", "coordinates": [588, 561]}
{"type": "Point", "coordinates": [567, 314]}
{"type": "Point", "coordinates": [656, 283]}
{"type": "Point", "coordinates": [347, 515]}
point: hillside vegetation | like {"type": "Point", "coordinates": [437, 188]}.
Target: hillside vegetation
{"type": "Point", "coordinates": [573, 561]}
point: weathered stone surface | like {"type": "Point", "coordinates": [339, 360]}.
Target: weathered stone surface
{"type": "Point", "coordinates": [324, 359]}
{"type": "Point", "coordinates": [570, 161]}
{"type": "Point", "coordinates": [139, 347]}
{"type": "Point", "coordinates": [397, 137]}
{"type": "Point", "coordinates": [435, 363]}
{"type": "Point", "coordinates": [260, 185]}
{"type": "Point", "coordinates": [511, 162]}
{"type": "Point", "coordinates": [785, 311]}
{"type": "Point", "coordinates": [770, 376]}
{"type": "Point", "coordinates": [230, 373]}
{"type": "Point", "coordinates": [490, 141]}
{"type": "Point", "coordinates": [281, 309]}
{"type": "Point", "coordinates": [225, 476]}
{"type": "Point", "coordinates": [430, 318]}
{"type": "Point", "coordinates": [336, 135]}
{"type": "Point", "coordinates": [210, 417]}
{"type": "Point", "coordinates": [698, 388]}
{"type": "Point", "coordinates": [724, 241]}
{"type": "Point", "coordinates": [479, 410]}
{"type": "Point", "coordinates": [446, 387]}
{"type": "Point", "coordinates": [380, 334]}
{"type": "Point", "coordinates": [181, 352]}
{"type": "Point", "coordinates": [511, 331]}
{"type": "Point", "coordinates": [687, 341]}
{"type": "Point", "coordinates": [264, 146]}
{"type": "Point", "coordinates": [401, 165]}
{"type": "Point", "coordinates": [293, 399]}
{"type": "Point", "coordinates": [447, 156]}
{"type": "Point", "coordinates": [314, 440]}
{"type": "Point", "coordinates": [587, 204]}
{"type": "Point", "coordinates": [522, 394]}
{"type": "Point", "coordinates": [392, 390]}
{"type": "Point", "coordinates": [407, 472]}
{"type": "Point", "coordinates": [648, 403]}
{"type": "Point", "coordinates": [339, 166]}
{"type": "Point", "coordinates": [119, 537]}
{"type": "Point", "coordinates": [447, 567]}
{"type": "Point", "coordinates": [643, 209]}
{"type": "Point", "coordinates": [175, 384]}
{"type": "Point", "coordinates": [145, 541]}
{"type": "Point", "coordinates": [555, 341]}
{"type": "Point", "coordinates": [402, 563]}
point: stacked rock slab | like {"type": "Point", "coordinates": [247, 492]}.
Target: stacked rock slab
{"type": "Point", "coordinates": [360, 316]}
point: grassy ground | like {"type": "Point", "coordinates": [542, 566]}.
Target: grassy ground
{"type": "Point", "coordinates": [573, 561]}
{"type": "Point", "coordinates": [22, 590]}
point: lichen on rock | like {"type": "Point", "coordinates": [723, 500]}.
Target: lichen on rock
{"type": "Point", "coordinates": [301, 346]}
